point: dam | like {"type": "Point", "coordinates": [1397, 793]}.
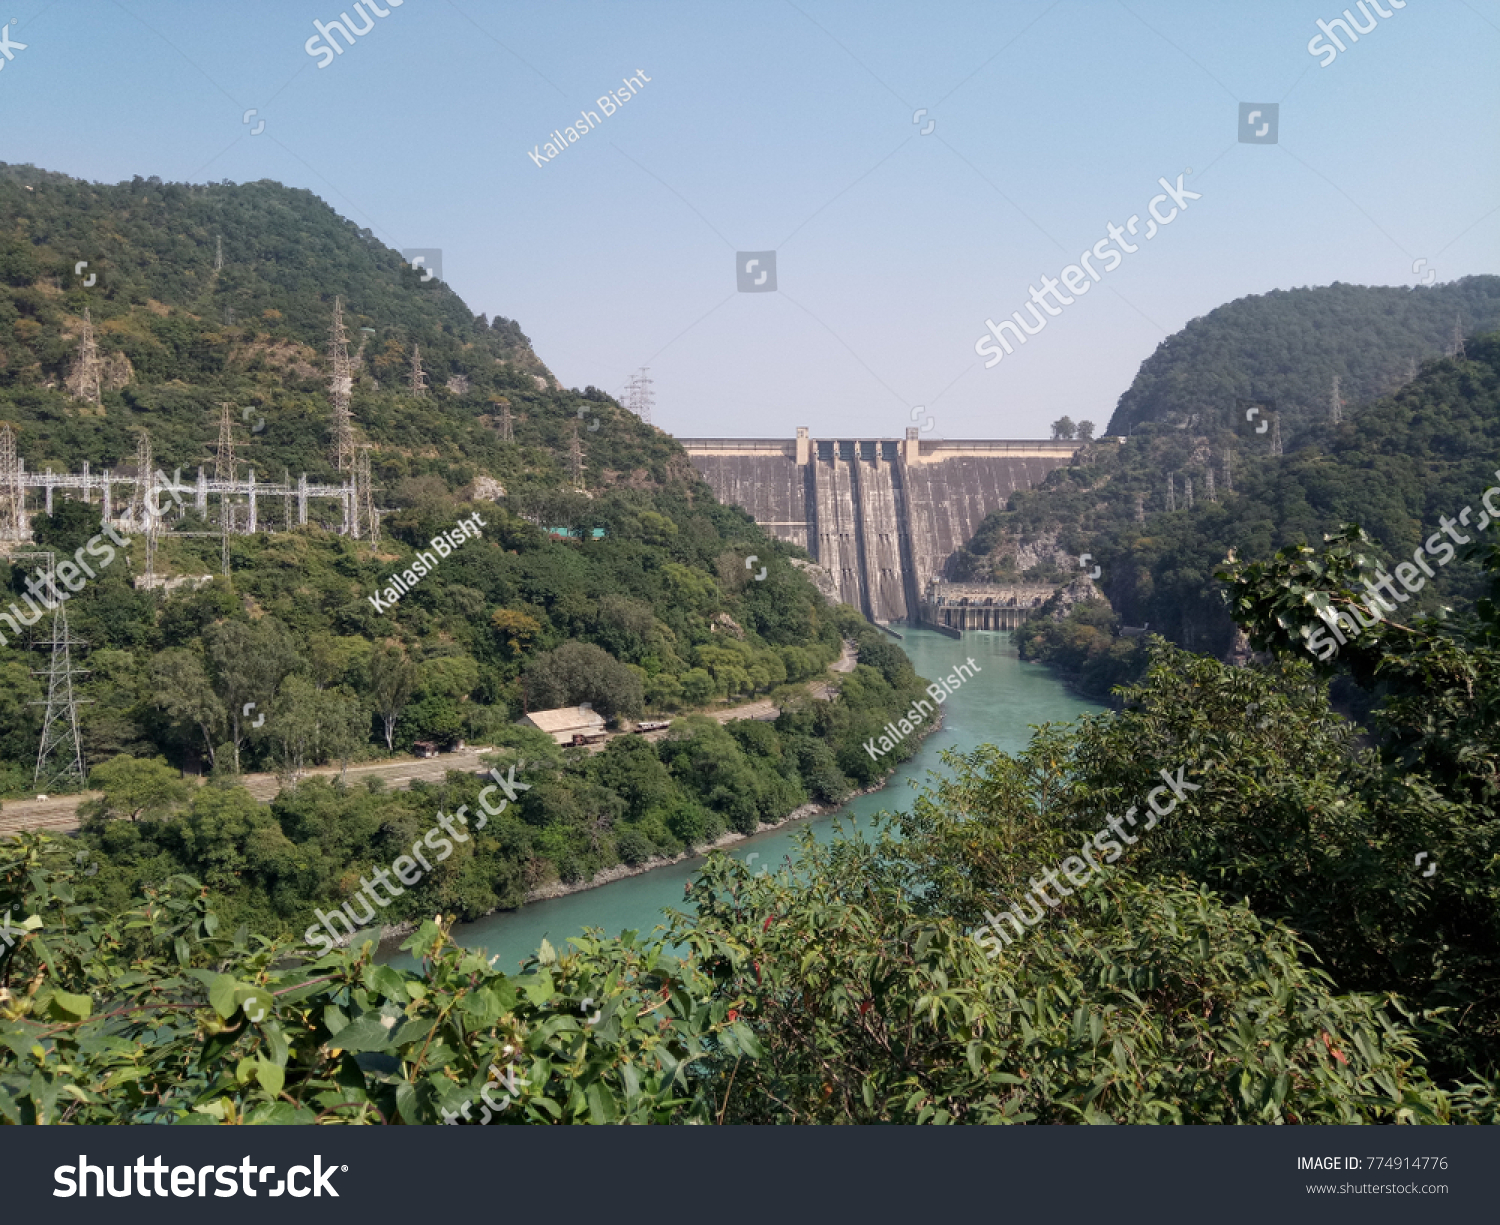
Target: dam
{"type": "Point", "coordinates": [883, 516]}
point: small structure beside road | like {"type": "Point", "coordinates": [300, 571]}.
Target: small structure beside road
{"type": "Point", "coordinates": [567, 724]}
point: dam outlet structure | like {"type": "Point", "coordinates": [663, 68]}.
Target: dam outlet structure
{"type": "Point", "coordinates": [884, 516]}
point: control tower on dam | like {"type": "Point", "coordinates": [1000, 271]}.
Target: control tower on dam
{"type": "Point", "coordinates": [882, 515]}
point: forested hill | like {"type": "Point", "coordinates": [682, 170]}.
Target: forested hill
{"type": "Point", "coordinates": [176, 336]}
{"type": "Point", "coordinates": [1287, 346]}
{"type": "Point", "coordinates": [1396, 466]}
{"type": "Point", "coordinates": [306, 652]}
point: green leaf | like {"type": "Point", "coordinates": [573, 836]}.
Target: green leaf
{"type": "Point", "coordinates": [256, 1002]}
{"type": "Point", "coordinates": [71, 1006]}
{"type": "Point", "coordinates": [269, 1077]}
{"type": "Point", "coordinates": [368, 1033]}
{"type": "Point", "coordinates": [221, 996]}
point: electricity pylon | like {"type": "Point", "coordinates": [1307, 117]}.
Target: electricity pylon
{"type": "Point", "coordinates": [59, 758]}
{"type": "Point", "coordinates": [366, 519]}
{"type": "Point", "coordinates": [88, 362]}
{"type": "Point", "coordinates": [143, 501]}
{"type": "Point", "coordinates": [13, 526]}
{"type": "Point", "coordinates": [638, 395]}
{"type": "Point", "coordinates": [575, 457]}
{"type": "Point", "coordinates": [341, 389]}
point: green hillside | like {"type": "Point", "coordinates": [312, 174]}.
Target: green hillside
{"type": "Point", "coordinates": [1269, 952]}
{"type": "Point", "coordinates": [1396, 466]}
{"type": "Point", "coordinates": [646, 608]}
{"type": "Point", "coordinates": [1288, 346]}
{"type": "Point", "coordinates": [176, 338]}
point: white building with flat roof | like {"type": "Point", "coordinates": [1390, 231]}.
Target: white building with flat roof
{"type": "Point", "coordinates": [565, 723]}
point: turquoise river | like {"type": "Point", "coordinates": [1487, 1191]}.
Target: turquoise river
{"type": "Point", "coordinates": [998, 706]}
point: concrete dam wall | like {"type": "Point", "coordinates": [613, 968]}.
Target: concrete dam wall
{"type": "Point", "coordinates": [883, 516]}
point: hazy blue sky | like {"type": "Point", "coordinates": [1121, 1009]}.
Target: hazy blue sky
{"type": "Point", "coordinates": [789, 126]}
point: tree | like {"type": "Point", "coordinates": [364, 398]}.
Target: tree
{"type": "Point", "coordinates": [1086, 431]}
{"type": "Point", "coordinates": [181, 688]}
{"type": "Point", "coordinates": [310, 726]}
{"type": "Point", "coordinates": [581, 672]}
{"type": "Point", "coordinates": [110, 1002]}
{"type": "Point", "coordinates": [136, 787]}
{"type": "Point", "coordinates": [515, 628]}
{"type": "Point", "coordinates": [697, 687]}
{"type": "Point", "coordinates": [246, 662]}
{"type": "Point", "coordinates": [392, 678]}
{"type": "Point", "coordinates": [67, 529]}
{"type": "Point", "coordinates": [1063, 427]}
{"type": "Point", "coordinates": [333, 659]}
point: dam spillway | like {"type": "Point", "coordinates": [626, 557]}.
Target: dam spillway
{"type": "Point", "coordinates": [883, 516]}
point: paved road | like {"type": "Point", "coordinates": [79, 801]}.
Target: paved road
{"type": "Point", "coordinates": [61, 814]}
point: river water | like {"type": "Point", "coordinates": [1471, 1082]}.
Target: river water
{"type": "Point", "coordinates": [997, 706]}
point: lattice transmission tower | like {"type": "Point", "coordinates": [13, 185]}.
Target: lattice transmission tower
{"type": "Point", "coordinates": [366, 519]}
{"type": "Point", "coordinates": [1187, 493]}
{"type": "Point", "coordinates": [143, 504]}
{"type": "Point", "coordinates": [1276, 435]}
{"type": "Point", "coordinates": [224, 471]}
{"type": "Point", "coordinates": [1336, 403]}
{"type": "Point", "coordinates": [59, 758]}
{"type": "Point", "coordinates": [1458, 340]}
{"type": "Point", "coordinates": [418, 375]}
{"type": "Point", "coordinates": [13, 526]}
{"type": "Point", "coordinates": [575, 457]}
{"type": "Point", "coordinates": [341, 390]}
{"type": "Point", "coordinates": [219, 253]}
{"type": "Point", "coordinates": [639, 397]}
{"type": "Point", "coordinates": [507, 429]}
{"type": "Point", "coordinates": [1171, 494]}
{"type": "Point", "coordinates": [87, 367]}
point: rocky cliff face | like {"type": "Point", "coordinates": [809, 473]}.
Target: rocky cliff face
{"type": "Point", "coordinates": [824, 581]}
{"type": "Point", "coordinates": [1079, 591]}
